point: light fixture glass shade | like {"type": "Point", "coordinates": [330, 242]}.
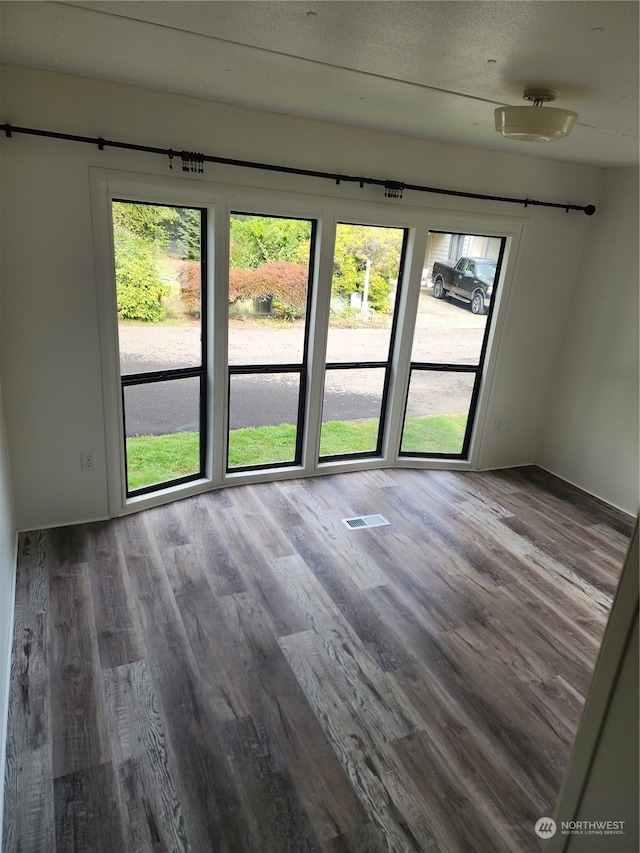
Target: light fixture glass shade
{"type": "Point", "coordinates": [534, 123]}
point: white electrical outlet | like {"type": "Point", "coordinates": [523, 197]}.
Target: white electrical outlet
{"type": "Point", "coordinates": [497, 426]}
{"type": "Point", "coordinates": [88, 460]}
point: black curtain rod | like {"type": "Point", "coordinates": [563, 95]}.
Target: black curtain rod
{"type": "Point", "coordinates": [193, 161]}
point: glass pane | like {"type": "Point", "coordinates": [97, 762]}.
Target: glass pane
{"type": "Point", "coordinates": [269, 261]}
{"type": "Point", "coordinates": [158, 286]}
{"type": "Point", "coordinates": [263, 417]}
{"type": "Point", "coordinates": [366, 269]}
{"type": "Point", "coordinates": [351, 410]}
{"type": "Point", "coordinates": [453, 303]}
{"type": "Point", "coordinates": [162, 421]}
{"type": "Point", "coordinates": [437, 411]}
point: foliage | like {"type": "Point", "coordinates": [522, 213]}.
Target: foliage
{"type": "Point", "coordinates": [286, 282]}
{"type": "Point", "coordinates": [150, 222]}
{"type": "Point", "coordinates": [139, 288]}
{"type": "Point", "coordinates": [258, 240]}
{"type": "Point", "coordinates": [379, 293]}
{"type": "Point", "coordinates": [186, 232]}
{"type": "Point", "coordinates": [283, 281]}
{"type": "Point", "coordinates": [190, 291]}
{"type": "Point", "coordinates": [269, 259]}
{"type": "Point", "coordinates": [354, 245]}
{"type": "Point", "coordinates": [139, 235]}
{"type": "Point", "coordinates": [242, 284]}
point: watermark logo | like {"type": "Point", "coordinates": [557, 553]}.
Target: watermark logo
{"type": "Point", "coordinates": [593, 827]}
{"type": "Point", "coordinates": [546, 827]}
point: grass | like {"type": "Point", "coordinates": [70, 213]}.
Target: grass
{"type": "Point", "coordinates": [155, 459]}
{"type": "Point", "coordinates": [434, 434]}
{"type": "Point", "coordinates": [348, 436]}
{"type": "Point", "coordinates": [261, 445]}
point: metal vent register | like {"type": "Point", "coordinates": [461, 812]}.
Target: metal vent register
{"type": "Point", "coordinates": [365, 521]}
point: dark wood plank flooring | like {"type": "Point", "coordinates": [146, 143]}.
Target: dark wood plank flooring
{"type": "Point", "coordinates": [240, 672]}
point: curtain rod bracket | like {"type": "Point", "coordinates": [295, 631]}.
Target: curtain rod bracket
{"type": "Point", "coordinates": [100, 143]}
{"type": "Point", "coordinates": [7, 130]}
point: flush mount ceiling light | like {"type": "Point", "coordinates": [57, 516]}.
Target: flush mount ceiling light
{"type": "Point", "coordinates": [535, 123]}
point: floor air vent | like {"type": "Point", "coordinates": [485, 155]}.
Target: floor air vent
{"type": "Point", "coordinates": [365, 521]}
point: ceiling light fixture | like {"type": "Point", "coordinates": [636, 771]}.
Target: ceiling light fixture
{"type": "Point", "coordinates": [535, 123]}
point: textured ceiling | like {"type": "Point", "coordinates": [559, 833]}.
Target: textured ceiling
{"type": "Point", "coordinates": [427, 69]}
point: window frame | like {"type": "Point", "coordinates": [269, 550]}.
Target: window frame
{"type": "Point", "coordinates": [301, 368]}
{"type": "Point", "coordinates": [132, 380]}
{"type": "Point", "coordinates": [269, 198]}
{"type": "Point", "coordinates": [478, 370]}
{"type": "Point", "coordinates": [386, 364]}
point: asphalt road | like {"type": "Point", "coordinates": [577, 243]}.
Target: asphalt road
{"type": "Point", "coordinates": [444, 333]}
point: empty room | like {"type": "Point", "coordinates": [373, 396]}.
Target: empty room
{"type": "Point", "coordinates": [319, 434]}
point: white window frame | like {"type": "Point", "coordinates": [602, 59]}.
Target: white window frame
{"type": "Point", "coordinates": [220, 200]}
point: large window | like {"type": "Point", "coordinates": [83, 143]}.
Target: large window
{"type": "Point", "coordinates": [458, 290]}
{"type": "Point", "coordinates": [270, 267]}
{"type": "Point", "coordinates": [258, 335]}
{"type": "Point", "coordinates": [367, 267]}
{"type": "Point", "coordinates": [160, 255]}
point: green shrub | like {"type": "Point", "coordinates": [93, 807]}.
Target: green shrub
{"type": "Point", "coordinates": [282, 281]}
{"type": "Point", "coordinates": [379, 293]}
{"type": "Point", "coordinates": [139, 287]}
{"type": "Point", "coordinates": [189, 278]}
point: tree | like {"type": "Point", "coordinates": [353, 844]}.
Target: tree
{"type": "Point", "coordinates": [185, 231]}
{"type": "Point", "coordinates": [259, 240]}
{"type": "Point", "coordinates": [139, 288]}
{"type": "Point", "coordinates": [150, 222]}
{"type": "Point", "coordinates": [354, 245]}
{"type": "Point", "coordinates": [139, 235]}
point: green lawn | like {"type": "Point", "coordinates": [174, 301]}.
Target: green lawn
{"type": "Point", "coordinates": [434, 434]}
{"type": "Point", "coordinates": [156, 459]}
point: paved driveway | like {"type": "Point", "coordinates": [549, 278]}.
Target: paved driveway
{"type": "Point", "coordinates": [444, 333]}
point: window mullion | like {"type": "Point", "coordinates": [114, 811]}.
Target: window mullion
{"type": "Point", "coordinates": [400, 357]}
{"type": "Point", "coordinates": [218, 322]}
{"type": "Point", "coordinates": [318, 330]}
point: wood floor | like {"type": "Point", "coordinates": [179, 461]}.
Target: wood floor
{"type": "Point", "coordinates": [240, 672]}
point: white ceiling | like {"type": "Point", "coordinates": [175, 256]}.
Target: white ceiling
{"type": "Point", "coordinates": [427, 68]}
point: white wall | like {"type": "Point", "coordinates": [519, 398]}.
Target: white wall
{"type": "Point", "coordinates": [51, 352]}
{"type": "Point", "coordinates": [592, 434]}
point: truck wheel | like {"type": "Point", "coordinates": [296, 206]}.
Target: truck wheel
{"type": "Point", "coordinates": [438, 288]}
{"type": "Point", "coordinates": [477, 303]}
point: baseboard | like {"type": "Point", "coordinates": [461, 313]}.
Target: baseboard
{"type": "Point", "coordinates": [631, 515]}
